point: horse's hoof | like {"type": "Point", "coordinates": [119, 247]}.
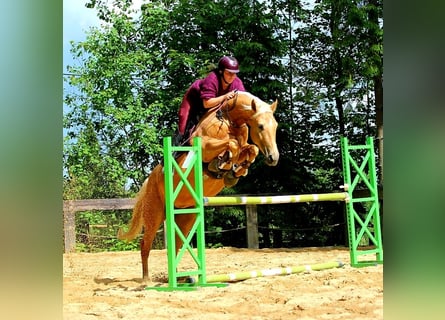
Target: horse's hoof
{"type": "Point", "coordinates": [217, 166]}
{"type": "Point", "coordinates": [246, 164]}
{"type": "Point", "coordinates": [230, 180]}
{"type": "Point", "coordinates": [213, 166]}
{"type": "Point", "coordinates": [224, 161]}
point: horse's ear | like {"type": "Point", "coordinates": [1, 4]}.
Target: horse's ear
{"type": "Point", "coordinates": [273, 106]}
{"type": "Point", "coordinates": [253, 105]}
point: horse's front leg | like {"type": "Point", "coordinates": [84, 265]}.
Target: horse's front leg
{"type": "Point", "coordinates": [246, 157]}
{"type": "Point", "coordinates": [241, 167]}
{"type": "Point", "coordinates": [224, 152]}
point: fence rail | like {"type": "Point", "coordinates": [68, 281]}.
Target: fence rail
{"type": "Point", "coordinates": [71, 207]}
{"type": "Point", "coordinates": [98, 204]}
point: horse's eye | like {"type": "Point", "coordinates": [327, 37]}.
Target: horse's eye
{"type": "Point", "coordinates": [261, 127]}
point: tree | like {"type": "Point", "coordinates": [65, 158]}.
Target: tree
{"type": "Point", "coordinates": [133, 72]}
{"type": "Point", "coordinates": [332, 63]}
{"type": "Point", "coordinates": [119, 97]}
{"type": "Point", "coordinates": [374, 9]}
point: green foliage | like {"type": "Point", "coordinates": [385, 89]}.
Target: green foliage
{"type": "Point", "coordinates": [225, 225]}
{"type": "Point", "coordinates": [96, 231]}
{"type": "Point", "coordinates": [339, 42]}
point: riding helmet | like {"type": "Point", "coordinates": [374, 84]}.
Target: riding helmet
{"type": "Point", "coordinates": [228, 63]}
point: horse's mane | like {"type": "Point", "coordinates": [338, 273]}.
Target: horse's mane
{"type": "Point", "coordinates": [247, 105]}
{"type": "Point", "coordinates": [243, 100]}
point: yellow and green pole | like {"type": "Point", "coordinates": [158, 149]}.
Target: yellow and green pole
{"type": "Point", "coordinates": [240, 276]}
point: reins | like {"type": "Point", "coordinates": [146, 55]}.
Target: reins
{"type": "Point", "coordinates": [218, 114]}
{"type": "Point", "coordinates": [233, 107]}
{"type": "Point", "coordinates": [227, 112]}
{"type": "Point", "coordinates": [218, 110]}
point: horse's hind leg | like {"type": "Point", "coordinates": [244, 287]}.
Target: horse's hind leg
{"type": "Point", "coordinates": [150, 230]}
{"type": "Point", "coordinates": [185, 223]}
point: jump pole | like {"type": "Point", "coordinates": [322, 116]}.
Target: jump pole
{"type": "Point", "coordinates": [240, 276]}
{"type": "Point", "coordinates": [231, 201]}
{"type": "Point", "coordinates": [359, 172]}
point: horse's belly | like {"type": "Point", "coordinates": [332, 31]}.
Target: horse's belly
{"type": "Point", "coordinates": [211, 187]}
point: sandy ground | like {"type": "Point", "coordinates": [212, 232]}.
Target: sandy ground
{"type": "Point", "coordinates": [108, 286]}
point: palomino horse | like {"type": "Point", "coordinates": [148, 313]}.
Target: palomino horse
{"type": "Point", "coordinates": [224, 132]}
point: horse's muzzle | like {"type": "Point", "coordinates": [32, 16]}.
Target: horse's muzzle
{"type": "Point", "coordinates": [272, 160]}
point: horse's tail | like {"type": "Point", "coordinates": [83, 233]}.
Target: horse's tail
{"type": "Point", "coordinates": [137, 220]}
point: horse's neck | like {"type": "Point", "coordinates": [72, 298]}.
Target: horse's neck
{"type": "Point", "coordinates": [238, 117]}
{"type": "Point", "coordinates": [240, 113]}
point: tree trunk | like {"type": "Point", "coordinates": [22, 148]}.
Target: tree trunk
{"type": "Point", "coordinates": [378, 92]}
{"type": "Point", "coordinates": [373, 16]}
{"type": "Point", "coordinates": [341, 117]}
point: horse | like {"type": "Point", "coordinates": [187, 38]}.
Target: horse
{"type": "Point", "coordinates": [226, 154]}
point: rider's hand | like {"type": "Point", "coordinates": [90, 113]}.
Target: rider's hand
{"type": "Point", "coordinates": [231, 94]}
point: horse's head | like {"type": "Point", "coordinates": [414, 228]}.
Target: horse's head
{"type": "Point", "coordinates": [263, 128]}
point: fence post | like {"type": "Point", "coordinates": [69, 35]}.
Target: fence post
{"type": "Point", "coordinates": [252, 226]}
{"type": "Point", "coordinates": [69, 230]}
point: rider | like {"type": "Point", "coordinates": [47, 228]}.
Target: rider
{"type": "Point", "coordinates": [221, 84]}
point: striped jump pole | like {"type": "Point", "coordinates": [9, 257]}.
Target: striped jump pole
{"type": "Point", "coordinates": [231, 201]}
{"type": "Point", "coordinates": [240, 276]}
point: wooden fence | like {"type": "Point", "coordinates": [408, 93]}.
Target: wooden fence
{"type": "Point", "coordinates": [71, 207]}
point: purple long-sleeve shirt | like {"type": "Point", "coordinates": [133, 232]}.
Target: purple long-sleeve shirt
{"type": "Point", "coordinates": [211, 86]}
{"type": "Point", "coordinates": [192, 107]}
